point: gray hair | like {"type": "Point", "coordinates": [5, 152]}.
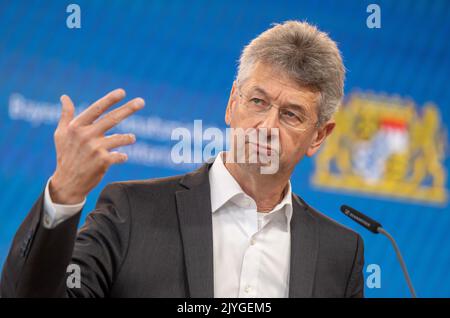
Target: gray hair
{"type": "Point", "coordinates": [306, 54]}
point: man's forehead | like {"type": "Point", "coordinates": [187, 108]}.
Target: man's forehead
{"type": "Point", "coordinates": [293, 95]}
{"type": "Point", "coordinates": [274, 82]}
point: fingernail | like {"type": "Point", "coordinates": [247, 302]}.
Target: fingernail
{"type": "Point", "coordinates": [140, 102]}
{"type": "Point", "coordinates": [133, 137]}
{"type": "Point", "coordinates": [120, 92]}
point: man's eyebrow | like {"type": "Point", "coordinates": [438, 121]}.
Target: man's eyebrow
{"type": "Point", "coordinates": [298, 107]}
{"type": "Point", "coordinates": [258, 89]}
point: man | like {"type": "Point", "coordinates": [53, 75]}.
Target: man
{"type": "Point", "coordinates": [225, 230]}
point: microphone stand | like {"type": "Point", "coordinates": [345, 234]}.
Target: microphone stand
{"type": "Point", "coordinates": [400, 259]}
{"type": "Point", "coordinates": [375, 227]}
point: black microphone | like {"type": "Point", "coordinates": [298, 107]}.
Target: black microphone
{"type": "Point", "coordinates": [360, 218]}
{"type": "Point", "coordinates": [375, 227]}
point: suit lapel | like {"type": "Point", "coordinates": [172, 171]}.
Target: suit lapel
{"type": "Point", "coordinates": [304, 250]}
{"type": "Point", "coordinates": [195, 218]}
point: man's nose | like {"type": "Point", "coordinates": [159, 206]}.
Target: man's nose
{"type": "Point", "coordinates": [270, 119]}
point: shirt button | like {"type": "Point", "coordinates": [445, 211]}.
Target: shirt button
{"type": "Point", "coordinates": [47, 222]}
{"type": "Point", "coordinates": [252, 242]}
{"type": "Point", "coordinates": [248, 289]}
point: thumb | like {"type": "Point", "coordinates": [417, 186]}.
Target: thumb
{"type": "Point", "coordinates": [68, 110]}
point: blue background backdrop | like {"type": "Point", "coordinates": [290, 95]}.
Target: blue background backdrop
{"type": "Point", "coordinates": [180, 56]}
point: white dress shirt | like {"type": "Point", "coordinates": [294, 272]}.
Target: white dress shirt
{"type": "Point", "coordinates": [54, 213]}
{"type": "Point", "coordinates": [251, 249]}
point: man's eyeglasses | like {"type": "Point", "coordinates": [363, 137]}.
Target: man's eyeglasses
{"type": "Point", "coordinates": [291, 117]}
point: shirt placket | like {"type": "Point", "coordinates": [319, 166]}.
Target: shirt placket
{"type": "Point", "coordinates": [249, 283]}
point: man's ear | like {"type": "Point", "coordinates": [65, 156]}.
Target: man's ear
{"type": "Point", "coordinates": [322, 133]}
{"type": "Point", "coordinates": [230, 105]}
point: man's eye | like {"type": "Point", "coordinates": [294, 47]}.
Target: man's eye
{"type": "Point", "coordinates": [257, 101]}
{"type": "Point", "coordinates": [292, 115]}
{"type": "Point", "coordinates": [289, 114]}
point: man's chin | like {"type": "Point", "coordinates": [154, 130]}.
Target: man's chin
{"type": "Point", "coordinates": [261, 167]}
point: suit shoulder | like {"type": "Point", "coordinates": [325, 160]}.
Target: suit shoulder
{"type": "Point", "coordinates": [148, 184]}
{"type": "Point", "coordinates": [165, 185]}
{"type": "Point", "coordinates": [335, 235]}
{"type": "Point", "coordinates": [330, 226]}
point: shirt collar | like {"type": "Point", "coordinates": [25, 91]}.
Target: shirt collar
{"type": "Point", "coordinates": [223, 185]}
{"type": "Point", "coordinates": [225, 188]}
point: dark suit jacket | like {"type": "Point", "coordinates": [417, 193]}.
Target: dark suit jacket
{"type": "Point", "coordinates": [153, 238]}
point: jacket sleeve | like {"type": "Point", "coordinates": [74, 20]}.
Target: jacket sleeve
{"type": "Point", "coordinates": [37, 263]}
{"type": "Point", "coordinates": [355, 285]}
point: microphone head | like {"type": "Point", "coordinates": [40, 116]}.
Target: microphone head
{"type": "Point", "coordinates": [361, 219]}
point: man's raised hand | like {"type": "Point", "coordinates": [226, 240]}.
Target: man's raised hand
{"type": "Point", "coordinates": [83, 152]}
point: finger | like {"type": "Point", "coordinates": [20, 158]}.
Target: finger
{"type": "Point", "coordinates": [117, 115]}
{"type": "Point", "coordinates": [99, 107]}
{"type": "Point", "coordinates": [117, 157]}
{"type": "Point", "coordinates": [117, 140]}
{"type": "Point", "coordinates": [67, 112]}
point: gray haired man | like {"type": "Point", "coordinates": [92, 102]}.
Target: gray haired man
{"type": "Point", "coordinates": [224, 230]}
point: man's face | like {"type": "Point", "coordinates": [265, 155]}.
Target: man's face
{"type": "Point", "coordinates": [272, 86]}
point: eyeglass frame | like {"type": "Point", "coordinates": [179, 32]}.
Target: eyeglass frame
{"type": "Point", "coordinates": [269, 107]}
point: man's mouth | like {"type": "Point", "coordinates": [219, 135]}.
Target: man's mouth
{"type": "Point", "coordinates": [260, 148]}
